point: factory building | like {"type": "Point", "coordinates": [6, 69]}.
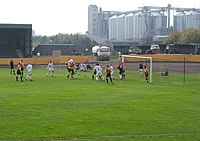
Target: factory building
{"type": "Point", "coordinates": [144, 23]}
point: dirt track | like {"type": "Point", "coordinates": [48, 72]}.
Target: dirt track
{"type": "Point", "coordinates": [193, 68]}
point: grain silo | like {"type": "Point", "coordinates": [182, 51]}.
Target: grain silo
{"type": "Point", "coordinates": [113, 27]}
{"type": "Point", "coordinates": [139, 26]}
{"type": "Point", "coordinates": [159, 24]}
{"type": "Point", "coordinates": [192, 20]}
{"type": "Point", "coordinates": [128, 23]}
{"type": "Point", "coordinates": [120, 27]}
{"type": "Point", "coordinates": [179, 21]}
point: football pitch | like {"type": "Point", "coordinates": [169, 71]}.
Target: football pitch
{"type": "Point", "coordinates": [57, 108]}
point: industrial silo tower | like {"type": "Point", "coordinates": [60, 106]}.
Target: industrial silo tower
{"type": "Point", "coordinates": [141, 24]}
{"type": "Point", "coordinates": [159, 23]}
{"type": "Point", "coordinates": [179, 21]}
{"type": "Point", "coordinates": [120, 27]}
{"type": "Point", "coordinates": [92, 19]}
{"type": "Point", "coordinates": [113, 27]}
{"type": "Point", "coordinates": [128, 26]}
{"type": "Point", "coordinates": [192, 20]}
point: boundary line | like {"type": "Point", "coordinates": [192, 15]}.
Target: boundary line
{"type": "Point", "coordinates": [113, 137]}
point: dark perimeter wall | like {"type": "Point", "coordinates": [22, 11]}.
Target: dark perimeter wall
{"type": "Point", "coordinates": [50, 49]}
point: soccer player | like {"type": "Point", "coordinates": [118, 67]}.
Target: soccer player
{"type": "Point", "coordinates": [94, 74]}
{"type": "Point", "coordinates": [98, 70]}
{"type": "Point", "coordinates": [83, 68]}
{"type": "Point", "coordinates": [121, 70]}
{"type": "Point", "coordinates": [112, 71]}
{"type": "Point", "coordinates": [12, 67]}
{"type": "Point", "coordinates": [108, 73]}
{"type": "Point", "coordinates": [146, 73]}
{"type": "Point", "coordinates": [50, 68]}
{"type": "Point", "coordinates": [70, 68]}
{"type": "Point", "coordinates": [19, 72]}
{"type": "Point", "coordinates": [164, 73]}
{"type": "Point", "coordinates": [88, 67]}
{"type": "Point", "coordinates": [140, 68]}
{"type": "Point", "coordinates": [22, 68]}
{"type": "Point", "coordinates": [29, 69]}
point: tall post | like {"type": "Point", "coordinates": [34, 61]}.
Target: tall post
{"type": "Point", "coordinates": [122, 58]}
{"type": "Point", "coordinates": [168, 16]}
{"type": "Point", "coordinates": [151, 70]}
{"type": "Point", "coordinates": [184, 71]}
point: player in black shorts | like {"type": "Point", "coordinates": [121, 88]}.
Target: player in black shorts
{"type": "Point", "coordinates": [146, 73]}
{"type": "Point", "coordinates": [108, 74]}
{"type": "Point", "coordinates": [12, 71]}
{"type": "Point", "coordinates": [19, 72]}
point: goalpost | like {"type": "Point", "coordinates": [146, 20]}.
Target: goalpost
{"type": "Point", "coordinates": [142, 57]}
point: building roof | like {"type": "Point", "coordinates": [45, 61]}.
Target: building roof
{"type": "Point", "coordinates": [18, 26]}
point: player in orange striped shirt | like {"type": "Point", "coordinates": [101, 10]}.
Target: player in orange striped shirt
{"type": "Point", "coordinates": [108, 71]}
{"type": "Point", "coordinates": [146, 73]}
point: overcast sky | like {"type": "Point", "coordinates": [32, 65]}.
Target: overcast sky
{"type": "Point", "coordinates": [50, 17]}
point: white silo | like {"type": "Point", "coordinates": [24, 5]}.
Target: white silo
{"type": "Point", "coordinates": [113, 27]}
{"type": "Point", "coordinates": [120, 27]}
{"type": "Point", "coordinates": [179, 21]}
{"type": "Point", "coordinates": [192, 20]}
{"type": "Point", "coordinates": [92, 19]}
{"type": "Point", "coordinates": [159, 23]}
{"type": "Point", "coordinates": [128, 26]}
{"type": "Point", "coordinates": [139, 26]}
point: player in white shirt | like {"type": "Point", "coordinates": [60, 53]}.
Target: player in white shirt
{"type": "Point", "coordinates": [98, 70]}
{"type": "Point", "coordinates": [50, 68]}
{"type": "Point", "coordinates": [112, 71]}
{"type": "Point", "coordinates": [83, 68]}
{"type": "Point", "coordinates": [29, 68]}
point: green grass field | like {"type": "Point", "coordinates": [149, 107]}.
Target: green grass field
{"type": "Point", "coordinates": [57, 108]}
